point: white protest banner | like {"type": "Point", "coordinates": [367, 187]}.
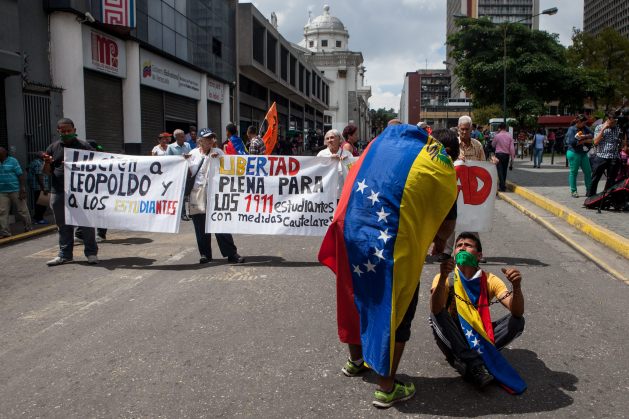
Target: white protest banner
{"type": "Point", "coordinates": [272, 195]}
{"type": "Point", "coordinates": [477, 183]}
{"type": "Point", "coordinates": [140, 193]}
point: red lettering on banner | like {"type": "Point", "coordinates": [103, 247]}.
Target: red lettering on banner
{"type": "Point", "coordinates": [467, 178]}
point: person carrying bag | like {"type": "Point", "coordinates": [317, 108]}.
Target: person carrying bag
{"type": "Point", "coordinates": [200, 159]}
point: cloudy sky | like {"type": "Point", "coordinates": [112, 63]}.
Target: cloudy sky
{"type": "Point", "coordinates": [397, 36]}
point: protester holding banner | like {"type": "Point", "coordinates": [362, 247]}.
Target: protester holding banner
{"type": "Point", "coordinates": [394, 200]}
{"type": "Point", "coordinates": [256, 145]}
{"type": "Point", "coordinates": [350, 133]}
{"type": "Point", "coordinates": [234, 144]}
{"type": "Point", "coordinates": [332, 140]}
{"type": "Point", "coordinates": [200, 168]}
{"type": "Point", "coordinates": [161, 149]}
{"type": "Point", "coordinates": [461, 321]}
{"type": "Point", "coordinates": [53, 166]}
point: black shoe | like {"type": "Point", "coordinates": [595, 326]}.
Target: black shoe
{"type": "Point", "coordinates": [442, 257]}
{"type": "Point", "coordinates": [479, 376]}
{"type": "Point", "coordinates": [205, 259]}
{"type": "Point", "coordinates": [185, 218]}
{"type": "Point", "coordinates": [236, 258]}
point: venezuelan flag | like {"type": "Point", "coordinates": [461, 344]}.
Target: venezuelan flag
{"type": "Point", "coordinates": [394, 199]}
{"type": "Point", "coordinates": [473, 309]}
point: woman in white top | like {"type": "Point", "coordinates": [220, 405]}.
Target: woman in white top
{"type": "Point", "coordinates": [333, 141]}
{"type": "Point", "coordinates": [162, 147]}
{"type": "Point", "coordinates": [199, 166]}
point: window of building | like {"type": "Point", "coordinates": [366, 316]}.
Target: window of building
{"type": "Point", "coordinates": [258, 41]}
{"type": "Point", "coordinates": [284, 63]}
{"type": "Point", "coordinates": [311, 44]}
{"type": "Point", "coordinates": [338, 44]}
{"type": "Point", "coordinates": [271, 52]}
{"type": "Point", "coordinates": [217, 47]}
{"type": "Point", "coordinates": [324, 43]}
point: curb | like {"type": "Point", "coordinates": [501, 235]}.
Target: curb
{"type": "Point", "coordinates": [28, 234]}
{"type": "Point", "coordinates": [608, 238]}
{"type": "Point", "coordinates": [600, 263]}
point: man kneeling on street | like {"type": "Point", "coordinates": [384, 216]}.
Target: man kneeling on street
{"type": "Point", "coordinates": [461, 321]}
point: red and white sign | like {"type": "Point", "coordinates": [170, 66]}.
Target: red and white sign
{"type": "Point", "coordinates": [104, 53]}
{"type": "Point", "coordinates": [119, 12]}
{"type": "Point", "coordinates": [477, 182]}
{"type": "Point", "coordinates": [215, 91]}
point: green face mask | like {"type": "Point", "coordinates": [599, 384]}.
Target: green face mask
{"type": "Point", "coordinates": [68, 137]}
{"type": "Point", "coordinates": [464, 258]}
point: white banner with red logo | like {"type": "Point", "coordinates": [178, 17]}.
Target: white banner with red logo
{"type": "Point", "coordinates": [118, 12]}
{"type": "Point", "coordinates": [477, 183]}
{"type": "Point", "coordinates": [271, 195]}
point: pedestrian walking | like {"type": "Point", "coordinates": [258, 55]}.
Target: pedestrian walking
{"type": "Point", "coordinates": [505, 153]}
{"type": "Point", "coordinates": [12, 191]}
{"type": "Point", "coordinates": [53, 166]}
{"type": "Point", "coordinates": [579, 140]}
{"type": "Point", "coordinates": [39, 184]}
{"type": "Point", "coordinates": [539, 141]}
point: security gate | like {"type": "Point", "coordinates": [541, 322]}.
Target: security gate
{"type": "Point", "coordinates": [37, 123]}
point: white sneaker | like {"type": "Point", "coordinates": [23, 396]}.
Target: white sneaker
{"type": "Point", "coordinates": [92, 259]}
{"type": "Point", "coordinates": [58, 261]}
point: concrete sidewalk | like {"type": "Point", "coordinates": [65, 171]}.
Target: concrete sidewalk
{"type": "Point", "coordinates": [550, 190]}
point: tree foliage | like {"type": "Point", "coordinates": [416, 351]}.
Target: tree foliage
{"type": "Point", "coordinates": [482, 115]}
{"type": "Point", "coordinates": [380, 118]}
{"type": "Point", "coordinates": [535, 64]}
{"type": "Point", "coordinates": [601, 65]}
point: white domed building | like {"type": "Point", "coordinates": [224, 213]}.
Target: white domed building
{"type": "Point", "coordinates": [325, 45]}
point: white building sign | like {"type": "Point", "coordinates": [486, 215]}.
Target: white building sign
{"type": "Point", "coordinates": [104, 53]}
{"type": "Point", "coordinates": [162, 74]}
{"type": "Point", "coordinates": [215, 91]}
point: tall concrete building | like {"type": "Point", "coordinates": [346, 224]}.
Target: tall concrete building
{"type": "Point", "coordinates": [325, 45]}
{"type": "Point", "coordinates": [498, 11]}
{"type": "Point", "coordinates": [600, 14]}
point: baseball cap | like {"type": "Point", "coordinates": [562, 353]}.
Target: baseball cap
{"type": "Point", "coordinates": [205, 132]}
{"type": "Point", "coordinates": [422, 124]}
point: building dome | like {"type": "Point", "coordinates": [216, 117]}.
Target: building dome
{"type": "Point", "coordinates": [325, 22]}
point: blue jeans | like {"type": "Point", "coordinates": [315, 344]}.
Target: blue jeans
{"type": "Point", "coordinates": [66, 232]}
{"type": "Point", "coordinates": [577, 160]}
{"type": "Point", "coordinates": [537, 158]}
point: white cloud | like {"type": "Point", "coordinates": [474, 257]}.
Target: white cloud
{"type": "Point", "coordinates": [399, 36]}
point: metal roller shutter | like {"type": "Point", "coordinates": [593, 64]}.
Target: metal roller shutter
{"type": "Point", "coordinates": [179, 108]}
{"type": "Point", "coordinates": [152, 104]}
{"type": "Point", "coordinates": [214, 118]}
{"type": "Point", "coordinates": [103, 110]}
{"type": "Point", "coordinates": [4, 137]}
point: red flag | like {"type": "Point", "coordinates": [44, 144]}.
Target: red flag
{"type": "Point", "coordinates": [270, 136]}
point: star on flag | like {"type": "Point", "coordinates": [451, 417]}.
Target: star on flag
{"type": "Point", "coordinates": [370, 266]}
{"type": "Point", "coordinates": [384, 236]}
{"type": "Point", "coordinates": [361, 186]}
{"type": "Point", "coordinates": [378, 253]}
{"type": "Point", "coordinates": [374, 197]}
{"type": "Point", "coordinates": [357, 270]}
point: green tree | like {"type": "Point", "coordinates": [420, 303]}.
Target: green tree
{"type": "Point", "coordinates": [601, 64]}
{"type": "Point", "coordinates": [535, 63]}
{"type": "Point", "coordinates": [482, 115]}
{"type": "Point", "coordinates": [380, 118]}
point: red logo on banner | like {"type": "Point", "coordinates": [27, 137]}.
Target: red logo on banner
{"type": "Point", "coordinates": [474, 183]}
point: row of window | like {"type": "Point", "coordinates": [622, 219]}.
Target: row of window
{"type": "Point", "coordinates": [324, 43]}
{"type": "Point", "coordinates": [265, 52]}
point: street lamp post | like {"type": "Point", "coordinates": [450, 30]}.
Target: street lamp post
{"type": "Point", "coordinates": [550, 12]}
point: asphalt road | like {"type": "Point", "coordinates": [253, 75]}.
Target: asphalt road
{"type": "Point", "coordinates": [150, 333]}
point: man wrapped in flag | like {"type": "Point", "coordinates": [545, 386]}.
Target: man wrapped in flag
{"type": "Point", "coordinates": [461, 321]}
{"type": "Point", "coordinates": [393, 202]}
